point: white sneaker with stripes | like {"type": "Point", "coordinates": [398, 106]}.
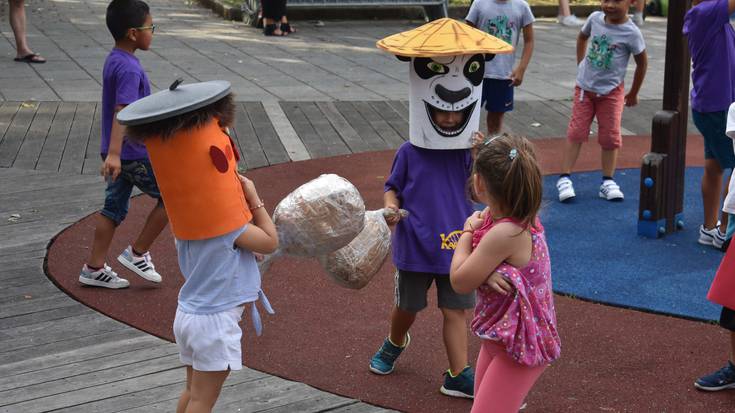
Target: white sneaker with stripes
{"type": "Point", "coordinates": [142, 265]}
{"type": "Point", "coordinates": [104, 277]}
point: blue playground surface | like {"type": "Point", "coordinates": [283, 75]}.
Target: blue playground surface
{"type": "Point", "coordinates": [597, 255]}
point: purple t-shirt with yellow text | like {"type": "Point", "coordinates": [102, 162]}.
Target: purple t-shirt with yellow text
{"type": "Point", "coordinates": [430, 185]}
{"type": "Point", "coordinates": [123, 82]}
{"type": "Point", "coordinates": [712, 47]}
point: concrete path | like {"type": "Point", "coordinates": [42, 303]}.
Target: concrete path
{"type": "Point", "coordinates": [325, 91]}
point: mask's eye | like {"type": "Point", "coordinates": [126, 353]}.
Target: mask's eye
{"type": "Point", "coordinates": [474, 67]}
{"type": "Point", "coordinates": [436, 67]}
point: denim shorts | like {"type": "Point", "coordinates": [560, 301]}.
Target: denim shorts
{"type": "Point", "coordinates": [411, 289]}
{"type": "Point", "coordinates": [137, 173]}
{"type": "Point", "coordinates": [497, 95]}
{"type": "Point", "coordinates": [716, 144]}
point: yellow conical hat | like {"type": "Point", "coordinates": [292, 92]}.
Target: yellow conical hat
{"type": "Point", "coordinates": [443, 37]}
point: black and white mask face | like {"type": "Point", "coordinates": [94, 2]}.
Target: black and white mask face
{"type": "Point", "coordinates": [445, 95]}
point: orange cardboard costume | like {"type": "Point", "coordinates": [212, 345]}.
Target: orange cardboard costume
{"type": "Point", "coordinates": [205, 159]}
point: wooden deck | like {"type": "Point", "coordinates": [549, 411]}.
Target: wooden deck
{"type": "Point", "coordinates": [58, 355]}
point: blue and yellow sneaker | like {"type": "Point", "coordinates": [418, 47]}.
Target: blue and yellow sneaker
{"type": "Point", "coordinates": [384, 360]}
{"type": "Point", "coordinates": [461, 385]}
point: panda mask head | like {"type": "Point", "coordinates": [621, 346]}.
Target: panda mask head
{"type": "Point", "coordinates": [445, 94]}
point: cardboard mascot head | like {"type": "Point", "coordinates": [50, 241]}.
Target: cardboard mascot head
{"type": "Point", "coordinates": [447, 63]}
{"type": "Point", "coordinates": [194, 160]}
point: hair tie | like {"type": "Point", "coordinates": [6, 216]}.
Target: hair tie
{"type": "Point", "coordinates": [513, 153]}
{"type": "Point", "coordinates": [489, 140]}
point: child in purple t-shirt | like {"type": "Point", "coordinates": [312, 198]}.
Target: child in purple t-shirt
{"type": "Point", "coordinates": [126, 163]}
{"type": "Point", "coordinates": [712, 47]}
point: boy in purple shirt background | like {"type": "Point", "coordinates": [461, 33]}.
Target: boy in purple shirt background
{"type": "Point", "coordinates": [712, 47]}
{"type": "Point", "coordinates": [126, 163]}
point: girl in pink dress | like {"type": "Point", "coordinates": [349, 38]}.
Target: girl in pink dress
{"type": "Point", "coordinates": [502, 254]}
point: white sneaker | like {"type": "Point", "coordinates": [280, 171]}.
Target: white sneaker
{"type": "Point", "coordinates": [712, 236]}
{"type": "Point", "coordinates": [104, 277]}
{"type": "Point", "coordinates": [566, 189]}
{"type": "Point", "coordinates": [637, 19]}
{"type": "Point", "coordinates": [610, 191]}
{"type": "Point", "coordinates": [570, 21]}
{"type": "Point", "coordinates": [142, 265]}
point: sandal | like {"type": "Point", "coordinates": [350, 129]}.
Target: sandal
{"type": "Point", "coordinates": [270, 30]}
{"type": "Point", "coordinates": [286, 29]}
{"type": "Point", "coordinates": [31, 58]}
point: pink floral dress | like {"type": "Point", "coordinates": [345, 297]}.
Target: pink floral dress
{"type": "Point", "coordinates": [523, 322]}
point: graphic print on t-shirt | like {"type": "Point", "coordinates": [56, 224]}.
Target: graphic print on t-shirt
{"type": "Point", "coordinates": [601, 50]}
{"type": "Point", "coordinates": [449, 242]}
{"type": "Point", "coordinates": [501, 28]}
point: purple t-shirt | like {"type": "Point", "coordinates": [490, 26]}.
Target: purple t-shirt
{"type": "Point", "coordinates": [430, 185]}
{"type": "Point", "coordinates": [123, 82]}
{"type": "Point", "coordinates": [712, 47]}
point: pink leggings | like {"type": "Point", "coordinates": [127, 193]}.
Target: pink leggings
{"type": "Point", "coordinates": [501, 383]}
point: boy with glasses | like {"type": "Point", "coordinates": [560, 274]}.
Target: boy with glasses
{"type": "Point", "coordinates": [126, 163]}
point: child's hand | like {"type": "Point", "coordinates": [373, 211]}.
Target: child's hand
{"type": "Point", "coordinates": [478, 138]}
{"type": "Point", "coordinates": [251, 195]}
{"type": "Point", "coordinates": [474, 221]}
{"type": "Point", "coordinates": [111, 167]}
{"type": "Point", "coordinates": [631, 99]}
{"type": "Point", "coordinates": [516, 76]}
{"type": "Point", "coordinates": [394, 216]}
{"type": "Point", "coordinates": [498, 283]}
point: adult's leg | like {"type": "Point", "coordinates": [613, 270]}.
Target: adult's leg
{"type": "Point", "coordinates": [505, 383]}
{"type": "Point", "coordinates": [455, 338]}
{"type": "Point", "coordinates": [205, 389]}
{"type": "Point", "coordinates": [564, 9]}
{"type": "Point", "coordinates": [17, 17]}
{"type": "Point", "coordinates": [494, 122]}
{"type": "Point", "coordinates": [186, 393]}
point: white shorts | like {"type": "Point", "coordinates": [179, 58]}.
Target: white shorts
{"type": "Point", "coordinates": [210, 342]}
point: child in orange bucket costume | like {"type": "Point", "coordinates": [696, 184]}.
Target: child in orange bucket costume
{"type": "Point", "coordinates": [218, 221]}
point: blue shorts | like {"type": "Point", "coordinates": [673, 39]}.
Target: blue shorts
{"type": "Point", "coordinates": [497, 95]}
{"type": "Point", "coordinates": [138, 173]}
{"type": "Point", "coordinates": [716, 144]}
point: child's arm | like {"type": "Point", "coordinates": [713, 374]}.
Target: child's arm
{"type": "Point", "coordinates": [260, 236]}
{"type": "Point", "coordinates": [390, 201]}
{"type": "Point", "coordinates": [641, 65]}
{"type": "Point", "coordinates": [111, 166]}
{"type": "Point", "coordinates": [730, 6]}
{"type": "Point", "coordinates": [581, 47]}
{"type": "Point", "coordinates": [470, 269]}
{"type": "Point", "coordinates": [517, 75]}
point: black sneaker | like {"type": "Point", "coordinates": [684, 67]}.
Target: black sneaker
{"type": "Point", "coordinates": [722, 379]}
{"type": "Point", "coordinates": [461, 385]}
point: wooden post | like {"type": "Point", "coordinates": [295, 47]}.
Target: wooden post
{"type": "Point", "coordinates": [668, 137]}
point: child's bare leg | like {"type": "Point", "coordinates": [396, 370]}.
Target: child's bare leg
{"type": "Point", "coordinates": [455, 338]}
{"type": "Point", "coordinates": [154, 224]}
{"type": "Point", "coordinates": [494, 123]}
{"type": "Point", "coordinates": [571, 153]}
{"type": "Point", "coordinates": [186, 393]}
{"type": "Point", "coordinates": [711, 190]}
{"type": "Point", "coordinates": [400, 322]}
{"type": "Point", "coordinates": [103, 232]}
{"type": "Point", "coordinates": [609, 162]}
{"type": "Point", "coordinates": [205, 389]}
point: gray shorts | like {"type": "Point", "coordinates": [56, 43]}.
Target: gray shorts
{"type": "Point", "coordinates": [411, 288]}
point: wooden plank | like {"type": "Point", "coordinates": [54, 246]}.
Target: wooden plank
{"type": "Point", "coordinates": [16, 133]}
{"type": "Point", "coordinates": [386, 132]}
{"type": "Point", "coordinates": [53, 147]}
{"type": "Point", "coordinates": [349, 136]}
{"type": "Point", "coordinates": [321, 402]}
{"type": "Point", "coordinates": [92, 156]}
{"type": "Point", "coordinates": [76, 145]}
{"type": "Point", "coordinates": [400, 108]}
{"type": "Point", "coordinates": [392, 117]}
{"type": "Point", "coordinates": [312, 141]}
{"type": "Point", "coordinates": [330, 137]}
{"type": "Point", "coordinates": [286, 134]}
{"type": "Point", "coordinates": [43, 316]}
{"type": "Point", "coordinates": [32, 145]}
{"type": "Point", "coordinates": [7, 112]}
{"type": "Point", "coordinates": [359, 124]}
{"type": "Point", "coordinates": [252, 155]}
{"type": "Point", "coordinates": [269, 141]}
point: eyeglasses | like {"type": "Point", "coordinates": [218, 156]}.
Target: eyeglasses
{"type": "Point", "coordinates": [152, 28]}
